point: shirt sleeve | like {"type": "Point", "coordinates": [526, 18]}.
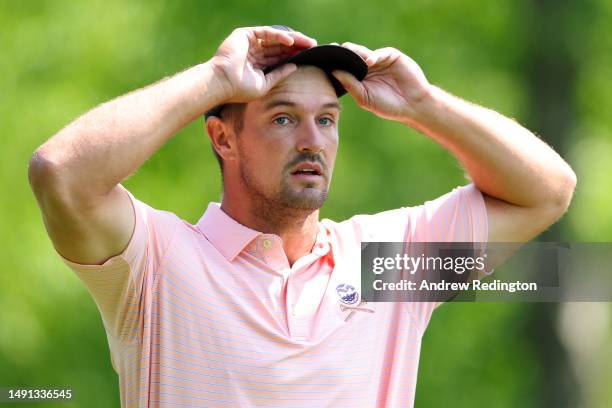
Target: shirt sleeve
{"type": "Point", "coordinates": [121, 286]}
{"type": "Point", "coordinates": [457, 216]}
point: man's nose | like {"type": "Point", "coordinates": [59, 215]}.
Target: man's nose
{"type": "Point", "coordinates": [310, 137]}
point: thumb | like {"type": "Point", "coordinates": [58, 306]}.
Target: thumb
{"type": "Point", "coordinates": [351, 84]}
{"type": "Point", "coordinates": [278, 74]}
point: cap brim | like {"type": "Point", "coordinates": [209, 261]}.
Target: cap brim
{"type": "Point", "coordinates": [328, 58]}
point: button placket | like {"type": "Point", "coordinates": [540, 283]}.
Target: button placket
{"type": "Point", "coordinates": [299, 315]}
{"type": "Point", "coordinates": [297, 323]}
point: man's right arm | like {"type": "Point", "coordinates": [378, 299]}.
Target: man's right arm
{"type": "Point", "coordinates": [75, 175]}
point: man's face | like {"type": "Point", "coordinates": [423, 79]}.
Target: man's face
{"type": "Point", "coordinates": [287, 148]}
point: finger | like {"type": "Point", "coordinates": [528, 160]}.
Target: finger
{"type": "Point", "coordinates": [383, 54]}
{"type": "Point", "coordinates": [273, 35]}
{"type": "Point", "coordinates": [301, 40]}
{"type": "Point", "coordinates": [277, 75]}
{"type": "Point", "coordinates": [272, 50]}
{"type": "Point", "coordinates": [364, 52]}
{"type": "Point", "coordinates": [263, 44]}
{"type": "Point", "coordinates": [351, 84]}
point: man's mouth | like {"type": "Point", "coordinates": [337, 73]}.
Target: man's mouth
{"type": "Point", "coordinates": [307, 171]}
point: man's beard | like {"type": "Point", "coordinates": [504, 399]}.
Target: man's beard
{"type": "Point", "coordinates": [308, 197]}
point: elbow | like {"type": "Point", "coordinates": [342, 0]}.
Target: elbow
{"type": "Point", "coordinates": [568, 186]}
{"type": "Point", "coordinates": [561, 196]}
{"type": "Point", "coordinates": [57, 182]}
{"type": "Point", "coordinates": [44, 174]}
{"type": "Point", "coordinates": [40, 169]}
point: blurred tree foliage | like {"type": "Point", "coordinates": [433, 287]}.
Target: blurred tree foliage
{"type": "Point", "coordinates": [61, 58]}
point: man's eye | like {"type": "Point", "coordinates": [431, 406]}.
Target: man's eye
{"type": "Point", "coordinates": [325, 121]}
{"type": "Point", "coordinates": [281, 120]}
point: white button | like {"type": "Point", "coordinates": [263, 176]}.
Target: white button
{"type": "Point", "coordinates": [267, 243]}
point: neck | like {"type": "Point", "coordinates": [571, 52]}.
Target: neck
{"type": "Point", "coordinates": [296, 227]}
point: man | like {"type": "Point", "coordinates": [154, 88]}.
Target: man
{"type": "Point", "coordinates": [242, 309]}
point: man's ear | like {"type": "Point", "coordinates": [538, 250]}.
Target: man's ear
{"type": "Point", "coordinates": [222, 137]}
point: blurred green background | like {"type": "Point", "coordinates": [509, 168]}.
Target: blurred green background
{"type": "Point", "coordinates": [546, 63]}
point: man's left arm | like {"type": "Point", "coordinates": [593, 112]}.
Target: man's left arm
{"type": "Point", "coordinates": [526, 185]}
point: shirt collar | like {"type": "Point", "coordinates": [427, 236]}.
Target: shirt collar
{"type": "Point", "coordinates": [225, 233]}
{"type": "Point", "coordinates": [230, 237]}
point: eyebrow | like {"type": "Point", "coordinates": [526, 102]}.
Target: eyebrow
{"type": "Point", "coordinates": [281, 102]}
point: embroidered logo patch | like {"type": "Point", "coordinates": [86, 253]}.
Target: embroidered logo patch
{"type": "Point", "coordinates": [347, 294]}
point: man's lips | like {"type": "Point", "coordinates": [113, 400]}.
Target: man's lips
{"type": "Point", "coordinates": [307, 176]}
{"type": "Point", "coordinates": [307, 169]}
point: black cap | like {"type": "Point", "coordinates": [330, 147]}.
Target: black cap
{"type": "Point", "coordinates": [327, 57]}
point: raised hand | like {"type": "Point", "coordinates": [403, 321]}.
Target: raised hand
{"type": "Point", "coordinates": [241, 57]}
{"type": "Point", "coordinates": [393, 86]}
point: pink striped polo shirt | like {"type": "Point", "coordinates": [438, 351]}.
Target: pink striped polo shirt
{"type": "Point", "coordinates": [212, 315]}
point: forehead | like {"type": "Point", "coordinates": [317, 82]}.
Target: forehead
{"type": "Point", "coordinates": [307, 87]}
